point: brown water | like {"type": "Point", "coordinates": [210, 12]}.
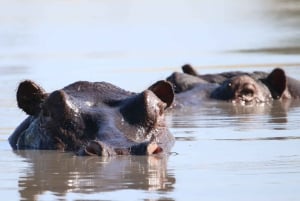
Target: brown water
{"type": "Point", "coordinates": [222, 152]}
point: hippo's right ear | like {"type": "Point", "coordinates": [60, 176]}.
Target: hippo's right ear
{"type": "Point", "coordinates": [164, 91]}
{"type": "Point", "coordinates": [277, 82]}
{"type": "Point", "coordinates": [188, 69]}
{"type": "Point", "coordinates": [30, 96]}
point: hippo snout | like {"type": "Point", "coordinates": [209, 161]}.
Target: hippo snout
{"type": "Point", "coordinates": [98, 148]}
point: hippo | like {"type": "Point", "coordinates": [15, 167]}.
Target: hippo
{"type": "Point", "coordinates": [94, 118]}
{"type": "Point", "coordinates": [236, 86]}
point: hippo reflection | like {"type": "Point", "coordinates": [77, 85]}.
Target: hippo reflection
{"type": "Point", "coordinates": [94, 118]}
{"type": "Point", "coordinates": [59, 175]}
{"type": "Point", "coordinates": [237, 86]}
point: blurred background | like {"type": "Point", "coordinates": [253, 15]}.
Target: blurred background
{"type": "Point", "coordinates": [80, 39]}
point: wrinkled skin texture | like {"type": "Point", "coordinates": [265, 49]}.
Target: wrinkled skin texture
{"type": "Point", "coordinates": [236, 86]}
{"type": "Point", "coordinates": [94, 119]}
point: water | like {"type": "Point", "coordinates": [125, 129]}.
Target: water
{"type": "Point", "coordinates": [222, 152]}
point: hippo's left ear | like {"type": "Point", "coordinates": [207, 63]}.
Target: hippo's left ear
{"type": "Point", "coordinates": [164, 91]}
{"type": "Point", "coordinates": [277, 82]}
{"type": "Point", "coordinates": [30, 96]}
{"type": "Point", "coordinates": [188, 69]}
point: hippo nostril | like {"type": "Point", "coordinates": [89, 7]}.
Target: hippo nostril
{"type": "Point", "coordinates": [93, 148]}
{"type": "Point", "coordinates": [247, 92]}
{"type": "Point", "coordinates": [154, 148]}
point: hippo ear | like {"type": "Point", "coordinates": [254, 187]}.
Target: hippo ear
{"type": "Point", "coordinates": [164, 91]}
{"type": "Point", "coordinates": [277, 82]}
{"type": "Point", "coordinates": [30, 96]}
{"type": "Point", "coordinates": [146, 107]}
{"type": "Point", "coordinates": [188, 69]}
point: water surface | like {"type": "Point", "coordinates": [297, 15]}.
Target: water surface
{"type": "Point", "coordinates": [221, 152]}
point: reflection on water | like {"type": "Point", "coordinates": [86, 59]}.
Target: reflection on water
{"type": "Point", "coordinates": [242, 153]}
{"type": "Point", "coordinates": [222, 114]}
{"type": "Point", "coordinates": [61, 174]}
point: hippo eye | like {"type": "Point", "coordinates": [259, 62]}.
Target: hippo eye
{"type": "Point", "coordinates": [162, 106]}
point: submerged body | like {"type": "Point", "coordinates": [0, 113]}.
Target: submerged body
{"type": "Point", "coordinates": [94, 118]}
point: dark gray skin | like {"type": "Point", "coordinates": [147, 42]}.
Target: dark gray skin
{"type": "Point", "coordinates": [94, 118]}
{"type": "Point", "coordinates": [237, 86]}
{"type": "Point", "coordinates": [221, 77]}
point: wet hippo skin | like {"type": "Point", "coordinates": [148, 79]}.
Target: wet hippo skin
{"type": "Point", "coordinates": [94, 118]}
{"type": "Point", "coordinates": [235, 86]}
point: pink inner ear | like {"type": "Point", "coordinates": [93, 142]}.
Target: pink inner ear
{"type": "Point", "coordinates": [164, 91]}
{"type": "Point", "coordinates": [277, 80]}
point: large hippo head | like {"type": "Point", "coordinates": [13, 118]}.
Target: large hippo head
{"type": "Point", "coordinates": [94, 119]}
